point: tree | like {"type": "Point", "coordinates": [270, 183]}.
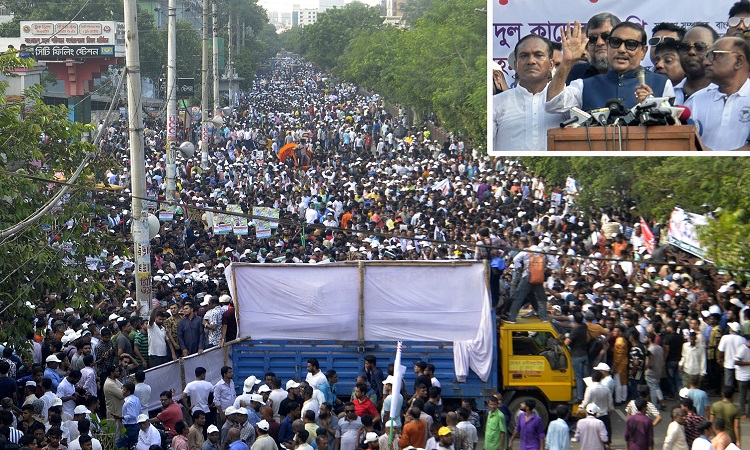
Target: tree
{"type": "Point", "coordinates": [153, 46]}
{"type": "Point", "coordinates": [37, 140]}
{"type": "Point", "coordinates": [438, 66]}
{"type": "Point", "coordinates": [327, 38]}
{"type": "Point", "coordinates": [652, 187]}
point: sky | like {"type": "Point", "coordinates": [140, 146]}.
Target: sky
{"type": "Point", "coordinates": [286, 5]}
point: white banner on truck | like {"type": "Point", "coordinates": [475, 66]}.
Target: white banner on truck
{"type": "Point", "coordinates": [421, 301]}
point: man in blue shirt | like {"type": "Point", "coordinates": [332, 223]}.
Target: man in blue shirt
{"type": "Point", "coordinates": [558, 431]}
{"type": "Point", "coordinates": [51, 371]}
{"type": "Point", "coordinates": [131, 408]}
{"type": "Point", "coordinates": [190, 331]}
{"type": "Point", "coordinates": [329, 387]}
{"type": "Point", "coordinates": [235, 443]}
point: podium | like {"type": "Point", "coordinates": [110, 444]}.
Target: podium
{"type": "Point", "coordinates": [632, 138]}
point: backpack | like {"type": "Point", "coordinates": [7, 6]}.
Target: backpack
{"type": "Point", "coordinates": [536, 269]}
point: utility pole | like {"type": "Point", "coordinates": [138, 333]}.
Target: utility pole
{"type": "Point", "coordinates": [230, 71]}
{"type": "Point", "coordinates": [204, 89]}
{"type": "Point", "coordinates": [140, 229]}
{"type": "Point", "coordinates": [172, 118]}
{"type": "Point", "coordinates": [215, 67]}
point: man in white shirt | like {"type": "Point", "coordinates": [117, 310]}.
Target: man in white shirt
{"type": "Point", "coordinates": [728, 346]}
{"type": "Point", "coordinates": [521, 123]}
{"type": "Point", "coordinates": [276, 396]}
{"type": "Point", "coordinates": [148, 434]}
{"type": "Point", "coordinates": [315, 376]}
{"type": "Point", "coordinates": [197, 391]}
{"type": "Point", "coordinates": [675, 438]}
{"type": "Point", "coordinates": [723, 111]}
{"type": "Point", "coordinates": [158, 346]}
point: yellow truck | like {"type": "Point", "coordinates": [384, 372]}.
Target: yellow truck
{"type": "Point", "coordinates": [534, 363]}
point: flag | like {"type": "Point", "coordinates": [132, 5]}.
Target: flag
{"type": "Point", "coordinates": [648, 236]}
{"type": "Point", "coordinates": [398, 374]}
{"type": "Point", "coordinates": [443, 186]}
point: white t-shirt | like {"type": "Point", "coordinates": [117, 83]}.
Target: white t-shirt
{"type": "Point", "coordinates": [66, 389]}
{"type": "Point", "coordinates": [157, 340]}
{"type": "Point", "coordinates": [198, 391]}
{"type": "Point", "coordinates": [96, 445]}
{"type": "Point", "coordinates": [729, 344]}
{"type": "Point", "coordinates": [317, 380]}
{"type": "Point", "coordinates": [742, 373]}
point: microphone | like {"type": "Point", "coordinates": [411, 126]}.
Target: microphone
{"type": "Point", "coordinates": [600, 116]}
{"type": "Point", "coordinates": [685, 115]}
{"type": "Point", "coordinates": [640, 75]}
{"type": "Point", "coordinates": [578, 118]}
{"type": "Point", "coordinates": [619, 113]}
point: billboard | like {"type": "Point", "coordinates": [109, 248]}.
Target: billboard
{"type": "Point", "coordinates": [683, 231]}
{"type": "Point", "coordinates": [54, 40]}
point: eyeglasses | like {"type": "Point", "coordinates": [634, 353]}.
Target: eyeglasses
{"type": "Point", "coordinates": [348, 411]}
{"type": "Point", "coordinates": [656, 40]}
{"type": "Point", "coordinates": [700, 47]}
{"type": "Point", "coordinates": [711, 55]}
{"type": "Point", "coordinates": [735, 21]}
{"type": "Point", "coordinates": [630, 44]}
{"type": "Point", "coordinates": [594, 38]}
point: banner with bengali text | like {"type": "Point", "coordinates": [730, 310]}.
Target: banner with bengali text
{"type": "Point", "coordinates": [513, 19]}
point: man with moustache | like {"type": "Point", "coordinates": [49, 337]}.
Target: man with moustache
{"type": "Point", "coordinates": [516, 109]}
{"type": "Point", "coordinates": [692, 50]}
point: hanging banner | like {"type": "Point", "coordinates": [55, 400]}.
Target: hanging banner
{"type": "Point", "coordinates": [683, 231]}
{"type": "Point", "coordinates": [514, 19]}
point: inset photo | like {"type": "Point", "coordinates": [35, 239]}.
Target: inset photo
{"type": "Point", "coordinates": [605, 75]}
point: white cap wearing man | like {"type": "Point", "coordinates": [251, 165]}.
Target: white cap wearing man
{"type": "Point", "coordinates": [727, 348]}
{"type": "Point", "coordinates": [590, 431]}
{"type": "Point", "coordinates": [148, 435]}
{"type": "Point", "coordinates": [264, 440]}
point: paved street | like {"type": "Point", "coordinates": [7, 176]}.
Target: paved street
{"type": "Point", "coordinates": [618, 427]}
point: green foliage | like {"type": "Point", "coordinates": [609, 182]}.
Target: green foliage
{"type": "Point", "coordinates": [415, 9]}
{"type": "Point", "coordinates": [654, 186]}
{"type": "Point", "coordinates": [326, 40]}
{"type": "Point", "coordinates": [40, 141]}
{"type": "Point", "coordinates": [153, 49]}
{"type": "Point", "coordinates": [438, 65]}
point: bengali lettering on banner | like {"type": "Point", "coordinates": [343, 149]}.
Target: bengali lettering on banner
{"type": "Point", "coordinates": [683, 231]}
{"type": "Point", "coordinates": [514, 19]}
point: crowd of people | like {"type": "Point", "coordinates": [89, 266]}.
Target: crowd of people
{"type": "Point", "coordinates": [361, 184]}
{"type": "Point", "coordinates": [602, 61]}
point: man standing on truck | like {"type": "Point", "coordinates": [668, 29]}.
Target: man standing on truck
{"type": "Point", "coordinates": [529, 427]}
{"type": "Point", "coordinates": [534, 264]}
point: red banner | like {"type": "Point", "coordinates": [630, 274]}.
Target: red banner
{"type": "Point", "coordinates": [648, 236]}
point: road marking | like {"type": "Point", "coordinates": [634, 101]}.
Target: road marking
{"type": "Point", "coordinates": [621, 414]}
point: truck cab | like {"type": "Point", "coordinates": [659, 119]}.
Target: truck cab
{"type": "Point", "coordinates": [534, 363]}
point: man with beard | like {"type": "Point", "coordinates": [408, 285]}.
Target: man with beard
{"type": "Point", "coordinates": [692, 50]}
{"type": "Point", "coordinates": [597, 30]}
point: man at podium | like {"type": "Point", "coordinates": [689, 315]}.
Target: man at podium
{"type": "Point", "coordinates": [626, 49]}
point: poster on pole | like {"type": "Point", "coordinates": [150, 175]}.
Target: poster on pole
{"type": "Point", "coordinates": [239, 224]}
{"type": "Point", "coordinates": [222, 223]}
{"type": "Point", "coordinates": [264, 227]}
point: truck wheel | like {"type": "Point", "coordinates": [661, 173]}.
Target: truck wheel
{"type": "Point", "coordinates": [515, 409]}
